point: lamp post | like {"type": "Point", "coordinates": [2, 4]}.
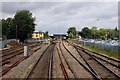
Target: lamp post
{"type": "Point", "coordinates": [16, 33]}
{"type": "Point", "coordinates": [95, 24]}
{"type": "Point", "coordinates": [94, 30]}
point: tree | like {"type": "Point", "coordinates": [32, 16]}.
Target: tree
{"type": "Point", "coordinates": [46, 35]}
{"type": "Point", "coordinates": [94, 32]}
{"type": "Point", "coordinates": [85, 33]}
{"type": "Point", "coordinates": [4, 27]}
{"type": "Point", "coordinates": [103, 33]}
{"type": "Point", "coordinates": [77, 34]}
{"type": "Point", "coordinates": [24, 24]}
{"type": "Point", "coordinates": [116, 33]}
{"type": "Point", "coordinates": [72, 31]}
{"type": "Point", "coordinates": [7, 25]}
{"type": "Point", "coordinates": [10, 25]}
{"type": "Point", "coordinates": [71, 36]}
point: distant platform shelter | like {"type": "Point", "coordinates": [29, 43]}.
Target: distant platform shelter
{"type": "Point", "coordinates": [60, 36]}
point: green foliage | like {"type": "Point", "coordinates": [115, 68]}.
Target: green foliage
{"type": "Point", "coordinates": [72, 32]}
{"type": "Point", "coordinates": [6, 26]}
{"type": "Point", "coordinates": [20, 27]}
{"type": "Point", "coordinates": [46, 36]}
{"type": "Point", "coordinates": [101, 51]}
{"type": "Point", "coordinates": [24, 23]}
{"type": "Point", "coordinates": [94, 32]}
{"type": "Point", "coordinates": [71, 36]}
{"type": "Point", "coordinates": [77, 34]}
{"type": "Point", "coordinates": [101, 33]}
{"type": "Point", "coordinates": [85, 33]}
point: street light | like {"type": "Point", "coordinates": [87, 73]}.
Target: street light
{"type": "Point", "coordinates": [94, 25]}
{"type": "Point", "coordinates": [16, 32]}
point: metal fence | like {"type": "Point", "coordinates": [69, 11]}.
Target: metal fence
{"type": "Point", "coordinates": [104, 46]}
{"type": "Point", "coordinates": [34, 40]}
{"type": "Point", "coordinates": [4, 42]}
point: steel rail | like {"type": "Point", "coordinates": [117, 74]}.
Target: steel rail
{"type": "Point", "coordinates": [104, 56]}
{"type": "Point", "coordinates": [50, 65]}
{"type": "Point", "coordinates": [110, 58]}
{"type": "Point", "coordinates": [101, 64]}
{"type": "Point", "coordinates": [62, 66]}
{"type": "Point", "coordinates": [88, 64]}
{"type": "Point", "coordinates": [80, 63]}
{"type": "Point", "coordinates": [8, 57]}
{"type": "Point", "coordinates": [75, 75]}
{"type": "Point", "coordinates": [106, 61]}
{"type": "Point", "coordinates": [33, 67]}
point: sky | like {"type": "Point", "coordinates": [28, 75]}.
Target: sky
{"type": "Point", "coordinates": [57, 17]}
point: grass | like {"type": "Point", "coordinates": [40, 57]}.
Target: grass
{"type": "Point", "coordinates": [114, 54]}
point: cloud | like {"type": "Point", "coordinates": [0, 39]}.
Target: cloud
{"type": "Point", "coordinates": [12, 7]}
{"type": "Point", "coordinates": [60, 0]}
{"type": "Point", "coordinates": [57, 17]}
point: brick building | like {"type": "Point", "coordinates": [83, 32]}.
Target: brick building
{"type": "Point", "coordinates": [38, 35]}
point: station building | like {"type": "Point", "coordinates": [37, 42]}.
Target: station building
{"type": "Point", "coordinates": [38, 35]}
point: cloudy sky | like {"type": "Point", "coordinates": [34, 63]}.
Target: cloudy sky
{"type": "Point", "coordinates": [57, 17]}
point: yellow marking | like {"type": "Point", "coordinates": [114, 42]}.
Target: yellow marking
{"type": "Point", "coordinates": [30, 65]}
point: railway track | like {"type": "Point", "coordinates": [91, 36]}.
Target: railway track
{"type": "Point", "coordinates": [43, 66]}
{"type": "Point", "coordinates": [8, 55]}
{"type": "Point", "coordinates": [7, 50]}
{"type": "Point", "coordinates": [110, 65]}
{"type": "Point", "coordinates": [114, 69]}
{"type": "Point", "coordinates": [14, 57]}
{"type": "Point", "coordinates": [96, 65]}
{"type": "Point", "coordinates": [102, 55]}
{"type": "Point", "coordinates": [66, 61]}
{"type": "Point", "coordinates": [96, 77]}
{"type": "Point", "coordinates": [110, 60]}
{"type": "Point", "coordinates": [107, 57]}
{"type": "Point", "coordinates": [62, 66]}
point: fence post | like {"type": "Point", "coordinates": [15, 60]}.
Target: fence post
{"type": "Point", "coordinates": [25, 51]}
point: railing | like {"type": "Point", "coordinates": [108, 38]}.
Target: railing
{"type": "Point", "coordinates": [4, 42]}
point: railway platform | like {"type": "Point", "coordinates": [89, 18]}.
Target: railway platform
{"type": "Point", "coordinates": [23, 68]}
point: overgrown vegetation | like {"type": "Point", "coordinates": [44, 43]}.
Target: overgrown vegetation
{"type": "Point", "coordinates": [20, 27]}
{"type": "Point", "coordinates": [101, 33]}
{"type": "Point", "coordinates": [101, 51]}
{"type": "Point", "coordinates": [72, 32]}
{"type": "Point", "coordinates": [46, 36]}
{"type": "Point", "coordinates": [94, 33]}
